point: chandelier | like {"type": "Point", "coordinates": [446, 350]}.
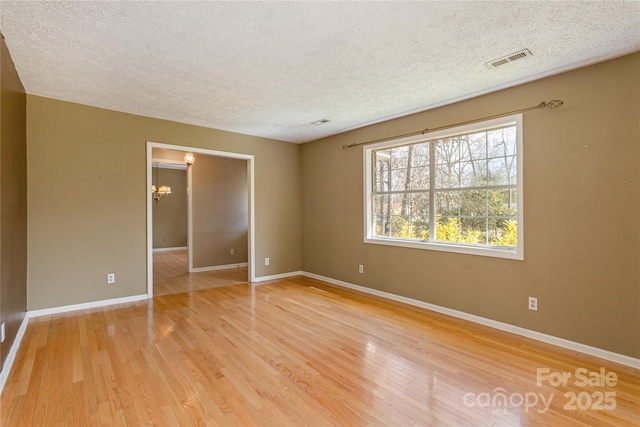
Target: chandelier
{"type": "Point", "coordinates": [161, 190]}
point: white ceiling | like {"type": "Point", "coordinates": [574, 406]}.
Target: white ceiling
{"type": "Point", "coordinates": [272, 68]}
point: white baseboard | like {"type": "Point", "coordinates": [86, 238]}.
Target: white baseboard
{"type": "Point", "coordinates": [219, 267]}
{"type": "Point", "coordinates": [277, 276]}
{"type": "Point", "coordinates": [550, 339]}
{"type": "Point", "coordinates": [11, 356]}
{"type": "Point", "coordinates": [85, 305]}
{"type": "Point", "coordinates": [176, 249]}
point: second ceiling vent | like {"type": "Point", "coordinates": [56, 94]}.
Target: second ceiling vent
{"type": "Point", "coordinates": [509, 58]}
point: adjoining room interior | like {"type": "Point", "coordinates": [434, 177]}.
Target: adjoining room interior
{"type": "Point", "coordinates": [397, 213]}
{"type": "Point", "coordinates": [201, 227]}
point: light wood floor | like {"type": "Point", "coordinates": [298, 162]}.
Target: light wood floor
{"type": "Point", "coordinates": [293, 352]}
{"type": "Point", "coordinates": [171, 275]}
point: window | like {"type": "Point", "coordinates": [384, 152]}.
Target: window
{"type": "Point", "coordinates": [458, 190]}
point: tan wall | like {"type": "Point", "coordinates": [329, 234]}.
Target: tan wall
{"type": "Point", "coordinates": [582, 237]}
{"type": "Point", "coordinates": [88, 191]}
{"type": "Point", "coordinates": [220, 211]}
{"type": "Point", "coordinates": [170, 213]}
{"type": "Point", "coordinates": [13, 201]}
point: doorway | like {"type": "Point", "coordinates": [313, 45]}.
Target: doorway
{"type": "Point", "coordinates": [248, 162]}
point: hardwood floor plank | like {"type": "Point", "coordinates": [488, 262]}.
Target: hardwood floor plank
{"type": "Point", "coordinates": [293, 352]}
{"type": "Point", "coordinates": [171, 275]}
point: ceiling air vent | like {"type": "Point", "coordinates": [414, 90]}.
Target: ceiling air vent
{"type": "Point", "coordinates": [320, 122]}
{"type": "Point", "coordinates": [509, 58]}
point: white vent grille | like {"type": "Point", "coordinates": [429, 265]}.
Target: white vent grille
{"type": "Point", "coordinates": [509, 58]}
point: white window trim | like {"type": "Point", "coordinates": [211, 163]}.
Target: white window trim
{"type": "Point", "coordinates": [517, 254]}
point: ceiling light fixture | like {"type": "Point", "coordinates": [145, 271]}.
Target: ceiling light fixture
{"type": "Point", "coordinates": [189, 159]}
{"type": "Point", "coordinates": [160, 191]}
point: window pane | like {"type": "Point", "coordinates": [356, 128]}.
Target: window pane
{"type": "Point", "coordinates": [502, 142]}
{"type": "Point", "coordinates": [407, 168]}
{"type": "Point", "coordinates": [472, 173]}
{"type": "Point", "coordinates": [420, 155]}
{"type": "Point", "coordinates": [419, 211]}
{"type": "Point", "coordinates": [500, 203]}
{"type": "Point", "coordinates": [403, 216]}
{"type": "Point", "coordinates": [421, 228]}
{"type": "Point", "coordinates": [498, 173]}
{"type": "Point", "coordinates": [477, 144]}
{"type": "Point", "coordinates": [448, 203]}
{"type": "Point", "coordinates": [381, 227]}
{"type": "Point", "coordinates": [381, 214]}
{"type": "Point", "coordinates": [512, 170]}
{"type": "Point", "coordinates": [398, 179]}
{"type": "Point", "coordinates": [399, 157]}
{"type": "Point", "coordinates": [447, 150]}
{"type": "Point", "coordinates": [473, 146]}
{"type": "Point", "coordinates": [447, 229]}
{"type": "Point", "coordinates": [380, 204]}
{"type": "Point", "coordinates": [401, 227]}
{"type": "Point", "coordinates": [473, 203]}
{"type": "Point", "coordinates": [447, 175]}
{"type": "Point", "coordinates": [505, 233]}
{"type": "Point", "coordinates": [399, 203]}
{"type": "Point", "coordinates": [382, 176]}
{"type": "Point", "coordinates": [473, 230]}
{"type": "Point", "coordinates": [419, 178]}
{"type": "Point", "coordinates": [383, 155]}
{"type": "Point", "coordinates": [404, 227]}
{"type": "Point", "coordinates": [419, 205]}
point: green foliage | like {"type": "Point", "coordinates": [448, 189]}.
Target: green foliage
{"type": "Point", "coordinates": [504, 234]}
{"type": "Point", "coordinates": [509, 235]}
{"type": "Point", "coordinates": [448, 231]}
{"type": "Point", "coordinates": [472, 236]}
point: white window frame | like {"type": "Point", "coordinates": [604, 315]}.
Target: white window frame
{"type": "Point", "coordinates": [490, 251]}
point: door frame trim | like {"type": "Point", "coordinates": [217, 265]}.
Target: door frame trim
{"type": "Point", "coordinates": [251, 208]}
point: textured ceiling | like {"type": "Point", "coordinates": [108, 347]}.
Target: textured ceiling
{"type": "Point", "coordinates": [272, 68]}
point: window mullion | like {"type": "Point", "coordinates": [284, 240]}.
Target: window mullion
{"type": "Point", "coordinates": [432, 191]}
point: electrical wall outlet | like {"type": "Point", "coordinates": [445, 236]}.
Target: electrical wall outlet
{"type": "Point", "coordinates": [533, 303]}
{"type": "Point", "coordinates": [111, 278]}
{"type": "Point", "coordinates": [361, 268]}
{"type": "Point", "coordinates": [232, 251]}
{"type": "Point", "coordinates": [266, 261]}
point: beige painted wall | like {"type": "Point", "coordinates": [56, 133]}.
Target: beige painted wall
{"type": "Point", "coordinates": [94, 222]}
{"type": "Point", "coordinates": [170, 213]}
{"type": "Point", "coordinates": [220, 211]}
{"type": "Point", "coordinates": [581, 213]}
{"type": "Point", "coordinates": [13, 200]}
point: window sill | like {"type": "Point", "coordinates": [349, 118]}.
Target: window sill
{"type": "Point", "coordinates": [444, 247]}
